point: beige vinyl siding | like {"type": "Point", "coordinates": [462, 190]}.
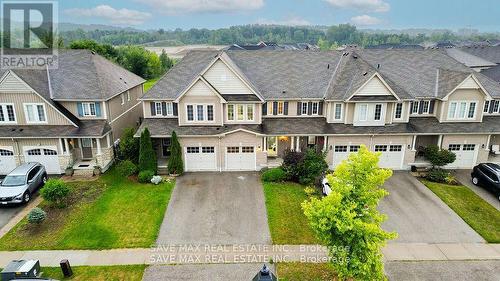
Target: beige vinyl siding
{"type": "Point", "coordinates": [54, 117]}
{"type": "Point", "coordinates": [129, 120]}
{"type": "Point", "coordinates": [200, 93]}
{"type": "Point", "coordinates": [72, 106]}
{"type": "Point", "coordinates": [478, 140]}
{"type": "Point", "coordinates": [467, 95]}
{"type": "Point", "coordinates": [13, 85]}
{"type": "Point", "coordinates": [224, 80]}
{"type": "Point", "coordinates": [349, 117]}
{"type": "Point", "coordinates": [114, 106]}
{"type": "Point", "coordinates": [374, 87]}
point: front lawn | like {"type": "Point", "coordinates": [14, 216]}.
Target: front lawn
{"type": "Point", "coordinates": [111, 212]}
{"type": "Point", "coordinates": [305, 271]}
{"type": "Point", "coordinates": [476, 212]}
{"type": "Point", "coordinates": [287, 221]}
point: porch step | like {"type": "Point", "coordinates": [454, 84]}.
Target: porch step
{"type": "Point", "coordinates": [162, 171]}
{"type": "Point", "coordinates": [83, 172]}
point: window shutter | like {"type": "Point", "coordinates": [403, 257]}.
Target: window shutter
{"type": "Point", "coordinates": [79, 108]}
{"type": "Point", "coordinates": [421, 107]}
{"type": "Point", "coordinates": [285, 108]}
{"type": "Point", "coordinates": [320, 109]}
{"type": "Point", "coordinates": [299, 108]}
{"type": "Point", "coordinates": [174, 107]}
{"type": "Point", "coordinates": [309, 108]}
{"type": "Point", "coordinates": [98, 109]}
{"type": "Point", "coordinates": [152, 106]}
{"type": "Point", "coordinates": [492, 105]}
{"type": "Point", "coordinates": [164, 108]}
{"type": "Point", "coordinates": [431, 107]}
{"type": "Point", "coordinates": [411, 107]}
{"type": "Point", "coordinates": [275, 108]}
{"type": "Point", "coordinates": [264, 109]}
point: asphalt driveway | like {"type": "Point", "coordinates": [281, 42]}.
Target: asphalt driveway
{"type": "Point", "coordinates": [216, 208]}
{"type": "Point", "coordinates": [418, 215]}
{"type": "Point", "coordinates": [463, 176]}
{"type": "Point", "coordinates": [8, 212]}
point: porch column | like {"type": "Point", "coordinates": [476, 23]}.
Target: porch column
{"type": "Point", "coordinates": [292, 139]}
{"type": "Point", "coordinates": [413, 142]}
{"type": "Point", "coordinates": [297, 145]}
{"type": "Point", "coordinates": [61, 146]}
{"type": "Point", "coordinates": [325, 145]}
{"type": "Point", "coordinates": [265, 145]}
{"type": "Point", "coordinates": [488, 141]}
{"type": "Point", "coordinates": [440, 141]}
{"type": "Point", "coordinates": [98, 142]}
{"type": "Point", "coordinates": [108, 140]}
{"type": "Point", "coordinates": [66, 145]}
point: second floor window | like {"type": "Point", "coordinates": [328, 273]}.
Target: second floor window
{"type": "Point", "coordinates": [88, 109]}
{"type": "Point", "coordinates": [35, 113]}
{"type": "Point", "coordinates": [200, 112]}
{"type": "Point", "coordinates": [398, 112]}
{"type": "Point", "coordinates": [337, 115]}
{"type": "Point", "coordinates": [281, 107]}
{"type": "Point", "coordinates": [304, 108]}
{"type": "Point", "coordinates": [240, 112]}
{"type": "Point", "coordinates": [378, 111]}
{"type": "Point", "coordinates": [462, 110]}
{"type": "Point", "coordinates": [7, 114]}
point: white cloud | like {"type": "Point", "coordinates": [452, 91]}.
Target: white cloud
{"type": "Point", "coordinates": [116, 16]}
{"type": "Point", "coordinates": [365, 20]}
{"type": "Point", "coordinates": [203, 6]}
{"type": "Point", "coordinates": [363, 5]}
{"type": "Point", "coordinates": [292, 21]}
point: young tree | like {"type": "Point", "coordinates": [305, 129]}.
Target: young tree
{"type": "Point", "coordinates": [129, 146]}
{"type": "Point", "coordinates": [439, 157]}
{"type": "Point", "coordinates": [147, 156]}
{"type": "Point", "coordinates": [166, 62]}
{"type": "Point", "coordinates": [347, 220]}
{"type": "Point", "coordinates": [175, 164]}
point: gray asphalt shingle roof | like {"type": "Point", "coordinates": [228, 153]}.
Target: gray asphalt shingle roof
{"type": "Point", "coordinates": [328, 75]}
{"type": "Point", "coordinates": [468, 59]}
{"type": "Point", "coordinates": [87, 128]}
{"type": "Point", "coordinates": [490, 53]}
{"type": "Point", "coordinates": [492, 73]}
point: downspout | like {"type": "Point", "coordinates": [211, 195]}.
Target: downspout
{"type": "Point", "coordinates": [17, 149]}
{"type": "Point", "coordinates": [220, 156]}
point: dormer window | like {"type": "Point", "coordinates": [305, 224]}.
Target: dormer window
{"type": "Point", "coordinates": [315, 108]}
{"type": "Point", "coordinates": [422, 107]}
{"type": "Point", "coordinates": [7, 113]}
{"type": "Point", "coordinates": [460, 110]}
{"type": "Point", "coordinates": [88, 109]}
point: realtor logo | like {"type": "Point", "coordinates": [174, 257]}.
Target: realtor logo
{"type": "Point", "coordinates": [29, 34]}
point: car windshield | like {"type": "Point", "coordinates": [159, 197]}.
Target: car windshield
{"type": "Point", "coordinates": [14, 180]}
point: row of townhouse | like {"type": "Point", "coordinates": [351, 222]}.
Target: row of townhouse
{"type": "Point", "coordinates": [241, 110]}
{"type": "Point", "coordinates": [66, 117]}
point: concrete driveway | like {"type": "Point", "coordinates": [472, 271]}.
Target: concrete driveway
{"type": "Point", "coordinates": [418, 215]}
{"type": "Point", "coordinates": [463, 176]}
{"type": "Point", "coordinates": [216, 208]}
{"type": "Point", "coordinates": [443, 270]}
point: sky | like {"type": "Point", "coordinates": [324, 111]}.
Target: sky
{"type": "Point", "coordinates": [375, 14]}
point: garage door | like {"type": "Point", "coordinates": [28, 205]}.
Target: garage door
{"type": "Point", "coordinates": [391, 155]}
{"type": "Point", "coordinates": [7, 161]}
{"type": "Point", "coordinates": [341, 152]}
{"type": "Point", "coordinates": [240, 158]}
{"type": "Point", "coordinates": [466, 156]}
{"type": "Point", "coordinates": [200, 158]}
{"type": "Point", "coordinates": [47, 156]}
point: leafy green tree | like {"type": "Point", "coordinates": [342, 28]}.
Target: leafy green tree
{"type": "Point", "coordinates": [175, 164]}
{"type": "Point", "coordinates": [104, 50]}
{"type": "Point", "coordinates": [147, 155]}
{"type": "Point", "coordinates": [347, 220]}
{"type": "Point", "coordinates": [439, 157]}
{"type": "Point", "coordinates": [129, 146]}
{"type": "Point", "coordinates": [166, 62]}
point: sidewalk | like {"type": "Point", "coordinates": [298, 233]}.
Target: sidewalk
{"type": "Point", "coordinates": [219, 254]}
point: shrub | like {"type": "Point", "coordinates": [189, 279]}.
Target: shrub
{"type": "Point", "coordinates": [126, 168]}
{"type": "Point", "coordinates": [291, 161]}
{"type": "Point", "coordinates": [147, 156]}
{"type": "Point", "coordinates": [156, 180]}
{"type": "Point", "coordinates": [312, 166]}
{"type": "Point", "coordinates": [439, 157]}
{"type": "Point", "coordinates": [175, 164]}
{"type": "Point", "coordinates": [145, 176]}
{"type": "Point", "coordinates": [438, 175]}
{"type": "Point", "coordinates": [55, 191]}
{"type": "Point", "coordinates": [36, 216]}
{"type": "Point", "coordinates": [274, 175]}
{"type": "Point", "coordinates": [129, 146]}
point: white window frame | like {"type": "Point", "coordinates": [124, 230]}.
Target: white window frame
{"type": "Point", "coordinates": [375, 112]}
{"type": "Point", "coordinates": [37, 116]}
{"type": "Point", "coordinates": [122, 96]}
{"type": "Point", "coordinates": [314, 103]}
{"type": "Point", "coordinates": [335, 111]}
{"type": "Point", "coordinates": [280, 104]}
{"type": "Point", "coordinates": [6, 114]}
{"type": "Point", "coordinates": [304, 108]}
{"type": "Point", "coordinates": [158, 109]}
{"type": "Point", "coordinates": [195, 113]}
{"type": "Point", "coordinates": [234, 111]}
{"type": "Point", "coordinates": [396, 110]}
{"type": "Point", "coordinates": [87, 110]}
{"type": "Point", "coordinates": [427, 108]}
{"type": "Point", "coordinates": [415, 107]}
{"type": "Point", "coordinates": [457, 104]}
{"type": "Point", "coordinates": [365, 106]}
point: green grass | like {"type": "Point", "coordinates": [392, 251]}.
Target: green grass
{"type": "Point", "coordinates": [98, 273]}
{"type": "Point", "coordinates": [305, 271]}
{"type": "Point", "coordinates": [479, 214]}
{"type": "Point", "coordinates": [150, 83]}
{"type": "Point", "coordinates": [287, 221]}
{"type": "Point", "coordinates": [111, 212]}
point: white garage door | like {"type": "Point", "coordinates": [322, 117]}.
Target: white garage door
{"type": "Point", "coordinates": [7, 161]}
{"type": "Point", "coordinates": [466, 156]}
{"type": "Point", "coordinates": [47, 156]}
{"type": "Point", "coordinates": [391, 157]}
{"type": "Point", "coordinates": [200, 158]}
{"type": "Point", "coordinates": [240, 158]}
{"type": "Point", "coordinates": [341, 152]}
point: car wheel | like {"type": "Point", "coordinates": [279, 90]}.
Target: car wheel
{"type": "Point", "coordinates": [26, 197]}
{"type": "Point", "coordinates": [475, 181]}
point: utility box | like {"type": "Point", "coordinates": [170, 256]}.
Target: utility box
{"type": "Point", "coordinates": [18, 269]}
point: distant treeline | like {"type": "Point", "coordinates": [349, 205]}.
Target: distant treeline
{"type": "Point", "coordinates": [251, 34]}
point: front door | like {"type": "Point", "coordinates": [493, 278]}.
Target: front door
{"type": "Point", "coordinates": [86, 148]}
{"type": "Point", "coordinates": [272, 146]}
{"type": "Point", "coordinates": [165, 147]}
